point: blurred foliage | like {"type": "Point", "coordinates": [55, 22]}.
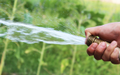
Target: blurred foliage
{"type": "Point", "coordinates": [71, 16]}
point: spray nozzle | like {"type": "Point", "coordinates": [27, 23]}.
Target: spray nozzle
{"type": "Point", "coordinates": [90, 40]}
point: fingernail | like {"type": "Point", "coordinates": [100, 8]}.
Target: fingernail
{"type": "Point", "coordinates": [114, 43]}
{"type": "Point", "coordinates": [102, 44]}
{"type": "Point", "coordinates": [88, 34]}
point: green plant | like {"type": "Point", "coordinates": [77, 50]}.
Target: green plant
{"type": "Point", "coordinates": [41, 59]}
{"type": "Point", "coordinates": [70, 16]}
{"type": "Point", "coordinates": [7, 41]}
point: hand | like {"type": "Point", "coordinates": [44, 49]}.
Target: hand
{"type": "Point", "coordinates": [110, 33]}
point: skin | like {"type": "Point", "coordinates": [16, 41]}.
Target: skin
{"type": "Point", "coordinates": [110, 33]}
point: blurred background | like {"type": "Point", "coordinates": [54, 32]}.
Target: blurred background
{"type": "Point", "coordinates": [70, 16]}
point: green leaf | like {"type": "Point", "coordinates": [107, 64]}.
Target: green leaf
{"type": "Point", "coordinates": [64, 64]}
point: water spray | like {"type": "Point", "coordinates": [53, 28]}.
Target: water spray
{"type": "Point", "coordinates": [93, 39]}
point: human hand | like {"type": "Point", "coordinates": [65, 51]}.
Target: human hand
{"type": "Point", "coordinates": [110, 33]}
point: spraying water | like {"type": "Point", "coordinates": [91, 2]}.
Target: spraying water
{"type": "Point", "coordinates": [32, 34]}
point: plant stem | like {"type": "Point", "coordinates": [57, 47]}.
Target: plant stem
{"type": "Point", "coordinates": [41, 59]}
{"type": "Point", "coordinates": [75, 50]}
{"type": "Point", "coordinates": [73, 60]}
{"type": "Point", "coordinates": [5, 12]}
{"type": "Point", "coordinates": [3, 57]}
{"type": "Point", "coordinates": [14, 9]}
{"type": "Point", "coordinates": [7, 41]}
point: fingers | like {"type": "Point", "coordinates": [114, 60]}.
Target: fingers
{"type": "Point", "coordinates": [114, 56]}
{"type": "Point", "coordinates": [92, 48]}
{"type": "Point", "coordinates": [100, 50]}
{"type": "Point", "coordinates": [105, 53]}
{"type": "Point", "coordinates": [109, 50]}
{"type": "Point", "coordinates": [94, 31]}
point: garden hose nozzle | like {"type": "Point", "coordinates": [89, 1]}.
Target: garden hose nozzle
{"type": "Point", "coordinates": [93, 39]}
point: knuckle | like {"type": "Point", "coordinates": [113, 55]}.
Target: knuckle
{"type": "Point", "coordinates": [97, 57]}
{"type": "Point", "coordinates": [108, 50]}
{"type": "Point", "coordinates": [99, 51]}
{"type": "Point", "coordinates": [88, 50]}
{"type": "Point", "coordinates": [105, 58]}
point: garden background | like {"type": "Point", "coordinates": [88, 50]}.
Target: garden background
{"type": "Point", "coordinates": [70, 16]}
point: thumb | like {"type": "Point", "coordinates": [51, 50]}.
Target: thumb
{"type": "Point", "coordinates": [92, 31]}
